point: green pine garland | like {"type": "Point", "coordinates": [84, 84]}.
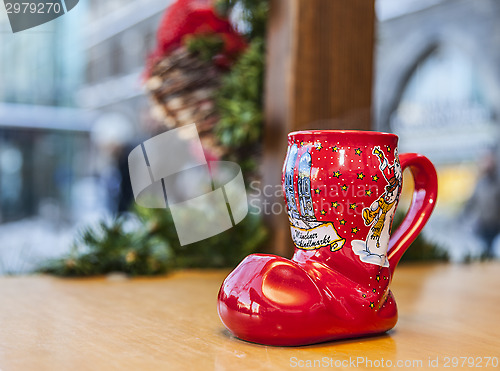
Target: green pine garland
{"type": "Point", "coordinates": [223, 250]}
{"type": "Point", "coordinates": [151, 247]}
{"type": "Point", "coordinates": [110, 247]}
{"type": "Point", "coordinates": [206, 46]}
{"type": "Point", "coordinates": [239, 101]}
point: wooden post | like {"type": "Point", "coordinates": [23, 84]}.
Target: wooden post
{"type": "Point", "coordinates": [319, 76]}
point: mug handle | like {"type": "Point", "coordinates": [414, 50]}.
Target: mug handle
{"type": "Point", "coordinates": [422, 204]}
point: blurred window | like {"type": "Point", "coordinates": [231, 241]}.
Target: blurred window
{"type": "Point", "coordinates": [443, 112]}
{"type": "Point", "coordinates": [39, 165]}
{"type": "Point", "coordinates": [117, 59]}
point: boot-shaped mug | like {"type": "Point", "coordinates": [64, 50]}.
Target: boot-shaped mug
{"type": "Point", "coordinates": [341, 189]}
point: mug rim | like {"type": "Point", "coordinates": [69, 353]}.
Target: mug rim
{"type": "Point", "coordinates": [333, 131]}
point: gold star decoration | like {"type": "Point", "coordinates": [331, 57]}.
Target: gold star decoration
{"type": "Point", "coordinates": [302, 143]}
{"type": "Point", "coordinates": [361, 175]}
{"type": "Point", "coordinates": [377, 278]}
{"type": "Point", "coordinates": [375, 178]}
{"type": "Point", "coordinates": [368, 193]}
{"type": "Point", "coordinates": [342, 222]}
{"type": "Point", "coordinates": [364, 295]}
{"type": "Point", "coordinates": [372, 304]}
{"type": "Point", "coordinates": [374, 290]}
{"type": "Point", "coordinates": [388, 149]}
{"type": "Point", "coordinates": [317, 191]}
{"type": "Point", "coordinates": [352, 206]}
{"type": "Point", "coordinates": [358, 151]}
{"type": "Point", "coordinates": [335, 204]}
{"type": "Point", "coordinates": [337, 174]}
{"type": "Point", "coordinates": [323, 212]}
{"type": "Point", "coordinates": [354, 230]}
{"type": "Point", "coordinates": [319, 146]}
{"type": "Point", "coordinates": [335, 149]}
{"type": "Point", "coordinates": [344, 187]}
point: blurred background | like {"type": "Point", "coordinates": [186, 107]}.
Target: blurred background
{"type": "Point", "coordinates": [72, 106]}
{"type": "Point", "coordinates": [70, 102]}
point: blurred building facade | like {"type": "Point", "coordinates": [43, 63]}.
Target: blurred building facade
{"type": "Point", "coordinates": [437, 79]}
{"type": "Point", "coordinates": [43, 137]}
{"type": "Point", "coordinates": [438, 87]}
{"type": "Point", "coordinates": [117, 40]}
{"type": "Point", "coordinates": [70, 93]}
{"type": "Point", "coordinates": [41, 66]}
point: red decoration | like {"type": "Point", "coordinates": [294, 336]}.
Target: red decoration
{"type": "Point", "coordinates": [182, 82]}
{"type": "Point", "coordinates": [341, 189]}
{"type": "Point", "coordinates": [196, 17]}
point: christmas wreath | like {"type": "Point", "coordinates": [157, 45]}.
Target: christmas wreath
{"type": "Point", "coordinates": [205, 71]}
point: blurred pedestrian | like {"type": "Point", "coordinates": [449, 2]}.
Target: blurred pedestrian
{"type": "Point", "coordinates": [483, 207]}
{"type": "Point", "coordinates": [114, 136]}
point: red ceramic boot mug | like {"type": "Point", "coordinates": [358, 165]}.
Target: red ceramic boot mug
{"type": "Point", "coordinates": [341, 189]}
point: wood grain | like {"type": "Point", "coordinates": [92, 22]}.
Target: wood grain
{"type": "Point", "coordinates": [171, 323]}
{"type": "Point", "coordinates": [333, 64]}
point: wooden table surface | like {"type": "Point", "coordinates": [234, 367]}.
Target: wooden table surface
{"type": "Point", "coordinates": [171, 323]}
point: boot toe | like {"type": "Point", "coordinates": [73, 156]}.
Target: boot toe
{"type": "Point", "coordinates": [268, 299]}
